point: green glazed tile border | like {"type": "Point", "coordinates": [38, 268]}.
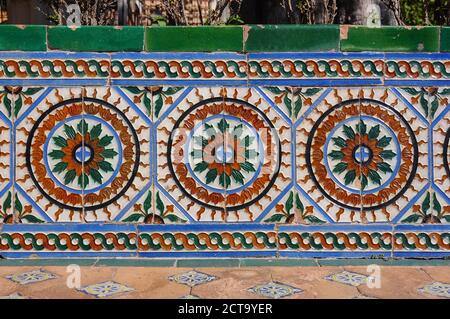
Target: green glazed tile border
{"type": "Point", "coordinates": [445, 39]}
{"type": "Point", "coordinates": [96, 38]}
{"type": "Point", "coordinates": [291, 38]}
{"type": "Point", "coordinates": [23, 38]}
{"type": "Point", "coordinates": [194, 39]}
{"type": "Point", "coordinates": [247, 38]}
{"type": "Point", "coordinates": [389, 39]}
{"type": "Point", "coordinates": [194, 263]}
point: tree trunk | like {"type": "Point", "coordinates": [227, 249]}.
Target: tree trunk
{"type": "Point", "coordinates": [366, 12]}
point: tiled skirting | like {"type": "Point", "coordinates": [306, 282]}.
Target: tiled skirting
{"type": "Point", "coordinates": [193, 155]}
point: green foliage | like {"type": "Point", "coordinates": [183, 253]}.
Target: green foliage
{"type": "Point", "coordinates": [414, 12]}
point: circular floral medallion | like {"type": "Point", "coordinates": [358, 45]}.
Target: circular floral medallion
{"type": "Point", "coordinates": [82, 154]}
{"type": "Point", "coordinates": [362, 153]}
{"type": "Point", "coordinates": [224, 153]}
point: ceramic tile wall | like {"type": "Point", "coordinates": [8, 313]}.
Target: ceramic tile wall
{"type": "Point", "coordinates": [261, 154]}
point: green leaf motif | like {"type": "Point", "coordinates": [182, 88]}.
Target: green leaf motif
{"type": "Point", "coordinates": [426, 204]}
{"type": "Point", "coordinates": [311, 91]}
{"type": "Point", "coordinates": [224, 180]}
{"type": "Point", "coordinates": [340, 167]}
{"type": "Point", "coordinates": [374, 177]}
{"type": "Point", "coordinates": [290, 203]}
{"type": "Point", "coordinates": [339, 141]}
{"type": "Point", "coordinates": [83, 180]}
{"type": "Point", "coordinates": [238, 177]}
{"type": "Point", "coordinates": [299, 204]}
{"type": "Point", "coordinates": [349, 177]}
{"type": "Point", "coordinates": [60, 167]}
{"type": "Point", "coordinates": [7, 202]}
{"type": "Point", "coordinates": [238, 130]}
{"type": "Point", "coordinates": [364, 181]}
{"type": "Point", "coordinates": [434, 107]}
{"type": "Point", "coordinates": [384, 167]}
{"type": "Point", "coordinates": [200, 167]}
{"type": "Point", "coordinates": [361, 127]}
{"type": "Point", "coordinates": [18, 204]}
{"type": "Point", "coordinates": [148, 202]}
{"type": "Point", "coordinates": [275, 89]}
{"type": "Point", "coordinates": [56, 154]}
{"type": "Point", "coordinates": [248, 140]}
{"type": "Point", "coordinates": [297, 106]}
{"type": "Point", "coordinates": [69, 176]}
{"type": "Point", "coordinates": [247, 166]}
{"type": "Point", "coordinates": [32, 219]}
{"type": "Point", "coordinates": [7, 104]}
{"type": "Point", "coordinates": [96, 131]}
{"type": "Point", "coordinates": [60, 141]}
{"type": "Point", "coordinates": [175, 219]}
{"type": "Point", "coordinates": [96, 176]}
{"type": "Point", "coordinates": [70, 132]}
{"type": "Point", "coordinates": [133, 218]}
{"type": "Point", "coordinates": [336, 155]}
{"type": "Point", "coordinates": [31, 91]}
{"type": "Point", "coordinates": [158, 105]}
{"type": "Point", "coordinates": [133, 89]}
{"type": "Point", "coordinates": [159, 204]}
{"type": "Point", "coordinates": [82, 127]}
{"type": "Point", "coordinates": [314, 220]}
{"type": "Point", "coordinates": [384, 141]}
{"type": "Point", "coordinates": [288, 103]}
{"type": "Point", "coordinates": [171, 90]}
{"type": "Point", "coordinates": [18, 105]}
{"type": "Point", "coordinates": [423, 103]}
{"type": "Point", "coordinates": [147, 104]}
{"type": "Point", "coordinates": [211, 176]}
{"type": "Point", "coordinates": [109, 153]}
{"type": "Point", "coordinates": [105, 166]}
{"type": "Point", "coordinates": [275, 218]}
{"type": "Point", "coordinates": [411, 91]}
{"type": "Point", "coordinates": [387, 154]}
{"type": "Point", "coordinates": [105, 141]}
{"type": "Point", "coordinates": [223, 125]}
{"type": "Point", "coordinates": [412, 219]}
{"type": "Point", "coordinates": [436, 205]}
{"type": "Point", "coordinates": [348, 131]}
{"type": "Point", "coordinates": [374, 132]}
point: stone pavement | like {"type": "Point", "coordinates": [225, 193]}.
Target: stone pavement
{"type": "Point", "coordinates": [204, 279]}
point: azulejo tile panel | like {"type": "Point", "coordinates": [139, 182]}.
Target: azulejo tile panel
{"type": "Point", "coordinates": [224, 154]}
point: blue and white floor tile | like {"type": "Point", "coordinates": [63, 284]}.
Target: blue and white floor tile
{"type": "Point", "coordinates": [274, 290]}
{"type": "Point", "coordinates": [436, 289]}
{"type": "Point", "coordinates": [30, 277]}
{"type": "Point", "coordinates": [348, 278]}
{"type": "Point", "coordinates": [105, 289]}
{"type": "Point", "coordinates": [192, 278]}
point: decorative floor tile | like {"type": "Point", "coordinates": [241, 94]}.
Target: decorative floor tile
{"type": "Point", "coordinates": [192, 278]}
{"type": "Point", "coordinates": [105, 289]}
{"type": "Point", "coordinates": [348, 278]}
{"type": "Point", "coordinates": [31, 277]}
{"type": "Point", "coordinates": [437, 289]}
{"type": "Point", "coordinates": [274, 290]}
